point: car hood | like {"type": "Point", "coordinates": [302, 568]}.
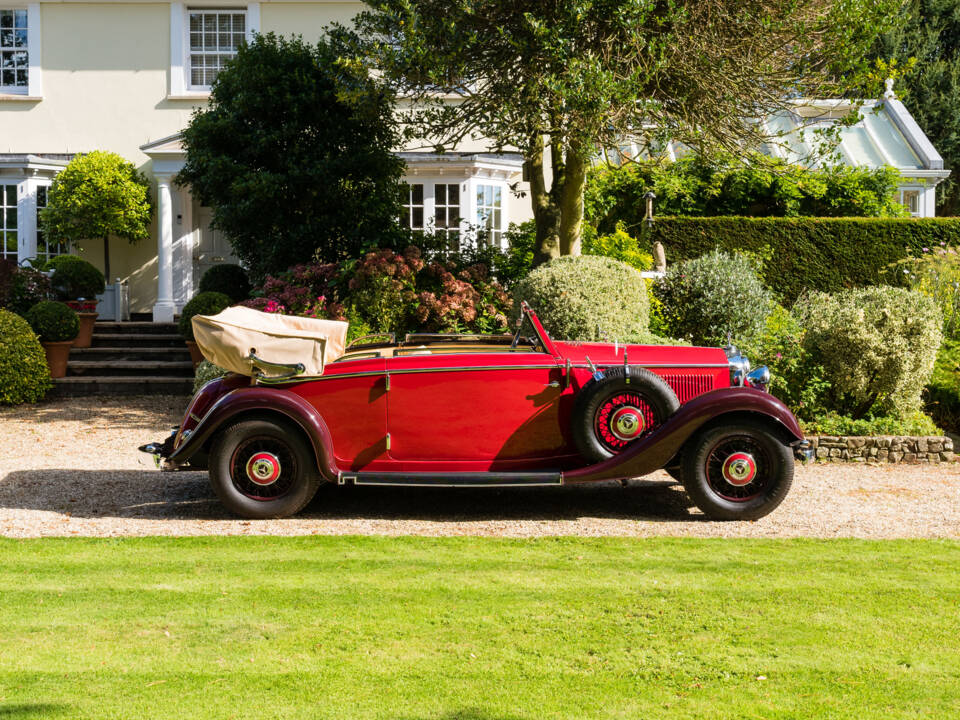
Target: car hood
{"type": "Point", "coordinates": [607, 353]}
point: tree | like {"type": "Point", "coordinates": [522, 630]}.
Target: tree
{"type": "Point", "coordinates": [294, 155]}
{"type": "Point", "coordinates": [929, 31]}
{"type": "Point", "coordinates": [97, 195]}
{"type": "Point", "coordinates": [560, 80]}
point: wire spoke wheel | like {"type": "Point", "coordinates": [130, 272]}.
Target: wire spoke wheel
{"type": "Point", "coordinates": [622, 418]}
{"type": "Point", "coordinates": [738, 468]}
{"type": "Point", "coordinates": [263, 468]}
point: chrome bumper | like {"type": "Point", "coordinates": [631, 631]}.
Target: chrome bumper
{"type": "Point", "coordinates": [161, 451]}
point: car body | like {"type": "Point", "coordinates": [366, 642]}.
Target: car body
{"type": "Point", "coordinates": [493, 411]}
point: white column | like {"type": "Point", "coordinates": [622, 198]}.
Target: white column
{"type": "Point", "coordinates": [164, 309]}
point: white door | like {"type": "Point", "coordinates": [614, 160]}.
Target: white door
{"type": "Point", "coordinates": [212, 248]}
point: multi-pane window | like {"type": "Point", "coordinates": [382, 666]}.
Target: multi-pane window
{"type": "Point", "coordinates": [8, 222]}
{"type": "Point", "coordinates": [447, 211]}
{"type": "Point", "coordinates": [489, 213]}
{"type": "Point", "coordinates": [413, 206]}
{"type": "Point", "coordinates": [14, 65]}
{"type": "Point", "coordinates": [215, 36]}
{"type": "Point", "coordinates": [46, 249]}
{"type": "Point", "coordinates": [911, 201]}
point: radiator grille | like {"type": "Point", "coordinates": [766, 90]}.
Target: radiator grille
{"type": "Point", "coordinates": [688, 387]}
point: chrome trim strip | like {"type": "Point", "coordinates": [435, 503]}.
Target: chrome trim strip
{"type": "Point", "coordinates": [659, 365]}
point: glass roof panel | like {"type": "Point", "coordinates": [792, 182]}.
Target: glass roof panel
{"type": "Point", "coordinates": [860, 147]}
{"type": "Point", "coordinates": [892, 142]}
{"type": "Point", "coordinates": [788, 139]}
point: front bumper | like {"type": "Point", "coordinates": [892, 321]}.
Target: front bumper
{"type": "Point", "coordinates": [803, 451]}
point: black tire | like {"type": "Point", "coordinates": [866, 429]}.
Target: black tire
{"type": "Point", "coordinates": [712, 484]}
{"type": "Point", "coordinates": [263, 469]}
{"type": "Point", "coordinates": [597, 402]}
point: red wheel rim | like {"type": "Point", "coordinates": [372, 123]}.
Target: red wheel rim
{"type": "Point", "coordinates": [263, 468]}
{"type": "Point", "coordinates": [738, 468]}
{"type": "Point", "coordinates": [621, 419]}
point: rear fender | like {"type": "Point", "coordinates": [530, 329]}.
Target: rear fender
{"type": "Point", "coordinates": [262, 401]}
{"type": "Point", "coordinates": [657, 449]}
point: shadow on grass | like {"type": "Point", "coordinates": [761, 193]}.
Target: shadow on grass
{"type": "Point", "coordinates": [465, 714]}
{"type": "Point", "coordinates": [32, 710]}
{"type": "Point", "coordinates": [188, 496]}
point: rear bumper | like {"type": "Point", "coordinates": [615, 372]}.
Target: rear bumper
{"type": "Point", "coordinates": [160, 451]}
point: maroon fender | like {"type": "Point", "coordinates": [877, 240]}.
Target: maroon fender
{"type": "Point", "coordinates": [659, 447]}
{"type": "Point", "coordinates": [267, 400]}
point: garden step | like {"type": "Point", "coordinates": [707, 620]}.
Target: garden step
{"type": "Point", "coordinates": [139, 352]}
{"type": "Point", "coordinates": [141, 328]}
{"type": "Point", "coordinates": [138, 368]}
{"type": "Point", "coordinates": [116, 385]}
{"type": "Point", "coordinates": [137, 340]}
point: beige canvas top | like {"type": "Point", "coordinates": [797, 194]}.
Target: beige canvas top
{"type": "Point", "coordinates": [227, 339]}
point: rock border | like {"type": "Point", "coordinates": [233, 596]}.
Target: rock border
{"type": "Point", "coordinates": [882, 449]}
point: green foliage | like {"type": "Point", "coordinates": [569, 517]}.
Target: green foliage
{"type": "Point", "coordinates": [915, 423]}
{"type": "Point", "coordinates": [295, 155]}
{"type": "Point", "coordinates": [205, 303]}
{"type": "Point", "coordinates": [925, 42]}
{"type": "Point", "coordinates": [712, 296]}
{"type": "Point", "coordinates": [808, 253]}
{"type": "Point", "coordinates": [942, 395]}
{"type": "Point", "coordinates": [21, 287]}
{"type": "Point", "coordinates": [53, 321]}
{"type": "Point", "coordinates": [876, 346]}
{"type": "Point", "coordinates": [57, 260]}
{"type": "Point", "coordinates": [231, 280]}
{"type": "Point", "coordinates": [74, 278]}
{"type": "Point", "coordinates": [24, 376]}
{"type": "Point", "coordinates": [722, 185]}
{"type": "Point", "coordinates": [205, 372]}
{"type": "Point", "coordinates": [588, 298]}
{"type": "Point", "coordinates": [936, 273]}
{"type": "Point", "coordinates": [97, 195]}
{"type": "Point", "coordinates": [617, 245]}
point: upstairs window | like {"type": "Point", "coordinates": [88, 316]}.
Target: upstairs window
{"type": "Point", "coordinates": [14, 60]}
{"type": "Point", "coordinates": [214, 36]}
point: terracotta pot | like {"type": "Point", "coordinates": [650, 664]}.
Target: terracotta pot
{"type": "Point", "coordinates": [57, 354]}
{"type": "Point", "coordinates": [195, 355]}
{"type": "Point", "coordinates": [85, 337]}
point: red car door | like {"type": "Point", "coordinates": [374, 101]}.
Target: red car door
{"type": "Point", "coordinates": [475, 411]}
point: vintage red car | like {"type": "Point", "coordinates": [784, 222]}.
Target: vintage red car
{"type": "Point", "coordinates": [493, 411]}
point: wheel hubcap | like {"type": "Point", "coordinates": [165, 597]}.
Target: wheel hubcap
{"type": "Point", "coordinates": [627, 423]}
{"type": "Point", "coordinates": [263, 468]}
{"type": "Point", "coordinates": [622, 418]}
{"type": "Point", "coordinates": [739, 469]}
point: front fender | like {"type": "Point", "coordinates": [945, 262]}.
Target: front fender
{"type": "Point", "coordinates": [654, 451]}
{"type": "Point", "coordinates": [268, 400]}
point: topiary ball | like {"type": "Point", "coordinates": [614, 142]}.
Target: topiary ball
{"type": "Point", "coordinates": [24, 376]}
{"type": "Point", "coordinates": [74, 278]}
{"type": "Point", "coordinates": [231, 280]}
{"type": "Point", "coordinates": [589, 297]}
{"type": "Point", "coordinates": [205, 303]}
{"type": "Point", "coordinates": [53, 321]}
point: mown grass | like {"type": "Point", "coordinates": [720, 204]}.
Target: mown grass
{"type": "Point", "coordinates": [479, 629]}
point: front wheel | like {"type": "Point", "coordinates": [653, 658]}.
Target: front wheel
{"type": "Point", "coordinates": [740, 471]}
{"type": "Point", "coordinates": [263, 469]}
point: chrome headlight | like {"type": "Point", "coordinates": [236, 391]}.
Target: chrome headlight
{"type": "Point", "coordinates": [759, 378]}
{"type": "Point", "coordinates": [739, 367]}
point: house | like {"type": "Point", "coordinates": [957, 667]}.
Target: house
{"type": "Point", "coordinates": [126, 76]}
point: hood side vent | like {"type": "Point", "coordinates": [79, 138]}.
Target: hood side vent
{"type": "Point", "coordinates": [689, 386]}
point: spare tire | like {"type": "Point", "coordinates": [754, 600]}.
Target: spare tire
{"type": "Point", "coordinates": [610, 413]}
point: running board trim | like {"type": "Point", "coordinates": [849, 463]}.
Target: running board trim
{"type": "Point", "coordinates": [465, 479]}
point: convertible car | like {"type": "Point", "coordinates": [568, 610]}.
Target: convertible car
{"type": "Point", "coordinates": [483, 411]}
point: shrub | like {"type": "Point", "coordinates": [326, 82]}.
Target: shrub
{"type": "Point", "coordinates": [24, 376]}
{"type": "Point", "coordinates": [936, 273]}
{"type": "Point", "coordinates": [74, 278]}
{"type": "Point", "coordinates": [826, 254]}
{"type": "Point", "coordinates": [231, 280]}
{"type": "Point", "coordinates": [707, 298]}
{"type": "Point", "coordinates": [21, 287]}
{"type": "Point", "coordinates": [617, 245]}
{"type": "Point", "coordinates": [205, 303]}
{"type": "Point", "coordinates": [53, 321]}
{"type": "Point", "coordinates": [876, 346]}
{"type": "Point", "coordinates": [57, 260]}
{"type": "Point", "coordinates": [588, 298]}
{"type": "Point", "coordinates": [942, 395]}
{"type": "Point", "coordinates": [915, 423]}
{"type": "Point", "coordinates": [205, 372]}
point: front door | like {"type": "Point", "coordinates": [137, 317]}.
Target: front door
{"type": "Point", "coordinates": [212, 247]}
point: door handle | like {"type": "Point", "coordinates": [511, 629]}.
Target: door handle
{"type": "Point", "coordinates": [553, 384]}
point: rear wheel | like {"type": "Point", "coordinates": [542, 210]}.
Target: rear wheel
{"type": "Point", "coordinates": [263, 469]}
{"type": "Point", "coordinates": [740, 471]}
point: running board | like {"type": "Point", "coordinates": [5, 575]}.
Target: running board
{"type": "Point", "coordinates": [465, 479]}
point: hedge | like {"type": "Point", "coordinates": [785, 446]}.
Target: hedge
{"type": "Point", "coordinates": [799, 254]}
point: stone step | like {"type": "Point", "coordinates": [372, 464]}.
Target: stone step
{"type": "Point", "coordinates": [114, 385]}
{"type": "Point", "coordinates": [138, 352]}
{"type": "Point", "coordinates": [135, 328]}
{"type": "Point", "coordinates": [130, 368]}
{"type": "Point", "coordinates": [137, 340]}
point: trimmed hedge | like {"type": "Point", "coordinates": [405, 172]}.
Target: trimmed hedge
{"type": "Point", "coordinates": [827, 254]}
{"type": "Point", "coordinates": [24, 376]}
{"type": "Point", "coordinates": [53, 321]}
{"type": "Point", "coordinates": [205, 303]}
{"type": "Point", "coordinates": [231, 280]}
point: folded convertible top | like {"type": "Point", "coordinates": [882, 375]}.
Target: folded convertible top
{"type": "Point", "coordinates": [228, 339]}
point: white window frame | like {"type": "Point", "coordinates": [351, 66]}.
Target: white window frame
{"type": "Point", "coordinates": [4, 253]}
{"type": "Point", "coordinates": [496, 231]}
{"type": "Point", "coordinates": [34, 87]}
{"type": "Point", "coordinates": [180, 87]}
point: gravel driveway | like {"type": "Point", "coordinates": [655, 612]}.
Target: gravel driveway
{"type": "Point", "coordinates": [71, 467]}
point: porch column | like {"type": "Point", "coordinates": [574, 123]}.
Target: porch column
{"type": "Point", "coordinates": [164, 310]}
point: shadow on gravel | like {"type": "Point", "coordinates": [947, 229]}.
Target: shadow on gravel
{"type": "Point", "coordinates": [188, 496]}
{"type": "Point", "coordinates": [153, 414]}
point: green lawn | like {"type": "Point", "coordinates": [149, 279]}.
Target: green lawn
{"type": "Point", "coordinates": [478, 629]}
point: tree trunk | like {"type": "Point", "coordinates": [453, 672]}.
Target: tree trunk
{"type": "Point", "coordinates": [546, 214]}
{"type": "Point", "coordinates": [106, 260]}
{"type": "Point", "coordinates": [571, 199]}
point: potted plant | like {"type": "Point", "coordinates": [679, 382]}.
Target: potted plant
{"type": "Point", "coordinates": [56, 325]}
{"type": "Point", "coordinates": [205, 303]}
{"type": "Point", "coordinates": [78, 283]}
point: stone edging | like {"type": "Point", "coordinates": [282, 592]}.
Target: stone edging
{"type": "Point", "coordinates": [882, 449]}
